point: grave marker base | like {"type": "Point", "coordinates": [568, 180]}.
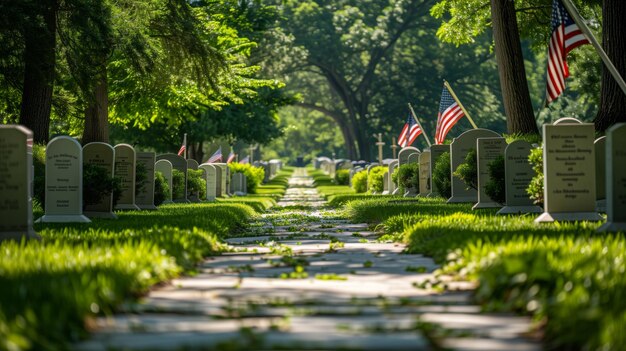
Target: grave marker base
{"type": "Point", "coordinates": [601, 205]}
{"type": "Point", "coordinates": [182, 201]}
{"type": "Point", "coordinates": [396, 192]}
{"type": "Point", "coordinates": [410, 193]}
{"type": "Point", "coordinates": [611, 227]}
{"type": "Point", "coordinates": [462, 199]}
{"type": "Point", "coordinates": [519, 210]}
{"type": "Point", "coordinates": [386, 192]}
{"type": "Point", "coordinates": [127, 207]}
{"type": "Point", "coordinates": [63, 219]}
{"type": "Point", "coordinates": [548, 217]}
{"type": "Point", "coordinates": [480, 205]}
{"type": "Point", "coordinates": [28, 234]}
{"type": "Point", "coordinates": [148, 207]}
{"type": "Point", "coordinates": [168, 202]}
{"type": "Point", "coordinates": [105, 215]}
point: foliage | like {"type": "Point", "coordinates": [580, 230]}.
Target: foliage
{"type": "Point", "coordinates": [375, 179]}
{"type": "Point", "coordinates": [468, 170]}
{"type": "Point", "coordinates": [442, 175]}
{"type": "Point", "coordinates": [258, 203]}
{"type": "Point", "coordinates": [178, 184]}
{"type": "Point", "coordinates": [496, 186]}
{"type": "Point", "coordinates": [98, 184]}
{"type": "Point", "coordinates": [254, 175]}
{"type": "Point", "coordinates": [161, 188]}
{"type": "Point", "coordinates": [359, 182]}
{"type": "Point", "coordinates": [378, 209]}
{"type": "Point", "coordinates": [342, 177]}
{"type": "Point", "coordinates": [535, 188]}
{"type": "Point", "coordinates": [408, 177]}
{"type": "Point", "coordinates": [39, 181]}
{"type": "Point", "coordinates": [196, 183]}
{"type": "Point", "coordinates": [339, 200]}
{"type": "Point", "coordinates": [394, 175]}
{"type": "Point", "coordinates": [141, 177]}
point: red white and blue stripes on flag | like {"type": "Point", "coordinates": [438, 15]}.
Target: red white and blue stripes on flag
{"type": "Point", "coordinates": [566, 36]}
{"type": "Point", "coordinates": [449, 113]}
{"type": "Point", "coordinates": [217, 156]}
{"type": "Point", "coordinates": [245, 160]}
{"type": "Point", "coordinates": [231, 157]}
{"type": "Point", "coordinates": [410, 132]}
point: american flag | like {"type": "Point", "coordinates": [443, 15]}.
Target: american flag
{"type": "Point", "coordinates": [231, 157]}
{"type": "Point", "coordinates": [566, 36]}
{"type": "Point", "coordinates": [217, 156]}
{"type": "Point", "coordinates": [449, 113]}
{"type": "Point", "coordinates": [182, 149]}
{"type": "Point", "coordinates": [410, 132]}
{"type": "Point", "coordinates": [245, 160]}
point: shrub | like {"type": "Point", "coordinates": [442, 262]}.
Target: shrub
{"type": "Point", "coordinates": [254, 175]}
{"type": "Point", "coordinates": [140, 178]}
{"type": "Point", "coordinates": [441, 175]}
{"type": "Point", "coordinates": [375, 179]}
{"type": "Point", "coordinates": [178, 184]}
{"type": "Point", "coordinates": [496, 187]}
{"type": "Point", "coordinates": [161, 188]}
{"type": "Point", "coordinates": [39, 181]}
{"type": "Point", "coordinates": [359, 182]}
{"type": "Point", "coordinates": [98, 184]}
{"type": "Point", "coordinates": [408, 177]}
{"type": "Point", "coordinates": [535, 188]}
{"type": "Point", "coordinates": [342, 177]}
{"type": "Point", "coordinates": [468, 170]}
{"type": "Point", "coordinates": [394, 175]}
{"type": "Point", "coordinates": [196, 184]}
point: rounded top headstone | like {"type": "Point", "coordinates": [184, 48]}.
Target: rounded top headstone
{"type": "Point", "coordinates": [567, 120]}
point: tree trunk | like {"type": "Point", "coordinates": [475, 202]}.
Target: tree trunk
{"type": "Point", "coordinates": [39, 63]}
{"type": "Point", "coordinates": [194, 151]}
{"type": "Point", "coordinates": [612, 100]}
{"type": "Point", "coordinates": [517, 105]}
{"type": "Point", "coordinates": [97, 112]}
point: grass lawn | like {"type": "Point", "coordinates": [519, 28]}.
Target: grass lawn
{"type": "Point", "coordinates": [50, 289]}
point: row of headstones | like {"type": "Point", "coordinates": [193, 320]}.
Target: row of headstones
{"type": "Point", "coordinates": [64, 176]}
{"type": "Point", "coordinates": [581, 175]}
{"type": "Point", "coordinates": [271, 168]}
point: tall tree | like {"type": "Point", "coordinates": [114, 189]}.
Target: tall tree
{"type": "Point", "coordinates": [612, 99]}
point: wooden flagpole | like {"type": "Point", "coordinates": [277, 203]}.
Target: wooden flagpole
{"type": "Point", "coordinates": [419, 124]}
{"type": "Point", "coordinates": [573, 11]}
{"type": "Point", "coordinates": [447, 85]}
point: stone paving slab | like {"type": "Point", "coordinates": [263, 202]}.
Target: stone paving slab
{"type": "Point", "coordinates": [357, 294]}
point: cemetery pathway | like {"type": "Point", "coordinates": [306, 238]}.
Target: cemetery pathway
{"type": "Point", "coordinates": [304, 278]}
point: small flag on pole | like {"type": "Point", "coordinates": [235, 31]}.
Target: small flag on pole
{"type": "Point", "coordinates": [410, 132]}
{"type": "Point", "coordinates": [217, 156]}
{"type": "Point", "coordinates": [449, 113]}
{"type": "Point", "coordinates": [245, 160]}
{"type": "Point", "coordinates": [566, 36]}
{"type": "Point", "coordinates": [183, 148]}
{"type": "Point", "coordinates": [231, 157]}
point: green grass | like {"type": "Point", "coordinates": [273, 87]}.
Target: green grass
{"type": "Point", "coordinates": [341, 199]}
{"type": "Point", "coordinates": [50, 289]}
{"type": "Point", "coordinates": [378, 208]}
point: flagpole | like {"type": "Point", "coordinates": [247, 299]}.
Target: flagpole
{"type": "Point", "coordinates": [447, 85]}
{"type": "Point", "coordinates": [573, 11]}
{"type": "Point", "coordinates": [419, 124]}
{"type": "Point", "coordinates": [185, 143]}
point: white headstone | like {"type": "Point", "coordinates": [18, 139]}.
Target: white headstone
{"type": "Point", "coordinates": [101, 155]}
{"type": "Point", "coordinates": [192, 164]}
{"type": "Point", "coordinates": [403, 155]}
{"type": "Point", "coordinates": [145, 199]}
{"type": "Point", "coordinates": [179, 164]}
{"type": "Point", "coordinates": [165, 167]}
{"type": "Point", "coordinates": [615, 179]}
{"type": "Point", "coordinates": [125, 163]}
{"type": "Point", "coordinates": [424, 161]}
{"type": "Point", "coordinates": [569, 164]}
{"type": "Point", "coordinates": [211, 180]}
{"type": "Point", "coordinates": [487, 150]}
{"type": "Point", "coordinates": [518, 172]}
{"type": "Point", "coordinates": [393, 165]}
{"type": "Point", "coordinates": [459, 148]}
{"type": "Point", "coordinates": [600, 149]}
{"type": "Point", "coordinates": [435, 152]}
{"type": "Point", "coordinates": [237, 184]}
{"type": "Point", "coordinates": [386, 183]}
{"type": "Point", "coordinates": [413, 157]}
{"type": "Point", "coordinates": [16, 177]}
{"type": "Point", "coordinates": [225, 178]}
{"type": "Point", "coordinates": [64, 181]}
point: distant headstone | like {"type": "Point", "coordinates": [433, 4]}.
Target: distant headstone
{"type": "Point", "coordinates": [518, 174]}
{"type": "Point", "coordinates": [413, 157]}
{"type": "Point", "coordinates": [125, 168]}
{"type": "Point", "coordinates": [300, 161]}
{"type": "Point", "coordinates": [165, 167]}
{"type": "Point", "coordinates": [386, 183]}
{"type": "Point", "coordinates": [180, 164]}
{"type": "Point", "coordinates": [392, 168]}
{"type": "Point", "coordinates": [219, 185]}
{"type": "Point", "coordinates": [487, 150]}
{"type": "Point", "coordinates": [569, 164]}
{"type": "Point", "coordinates": [211, 180]}
{"type": "Point", "coordinates": [266, 169]}
{"type": "Point", "coordinates": [459, 148]}
{"type": "Point", "coordinates": [238, 183]}
{"type": "Point", "coordinates": [403, 155]}
{"type": "Point", "coordinates": [192, 164]}
{"type": "Point", "coordinates": [424, 176]}
{"type": "Point", "coordinates": [101, 155]}
{"type": "Point", "coordinates": [64, 181]}
{"type": "Point", "coordinates": [225, 178]}
{"type": "Point", "coordinates": [16, 177]}
{"type": "Point", "coordinates": [435, 152]}
{"type": "Point", "coordinates": [615, 179]}
{"type": "Point", "coordinates": [145, 199]}
{"type": "Point", "coordinates": [600, 149]}
{"type": "Point", "coordinates": [370, 167]}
